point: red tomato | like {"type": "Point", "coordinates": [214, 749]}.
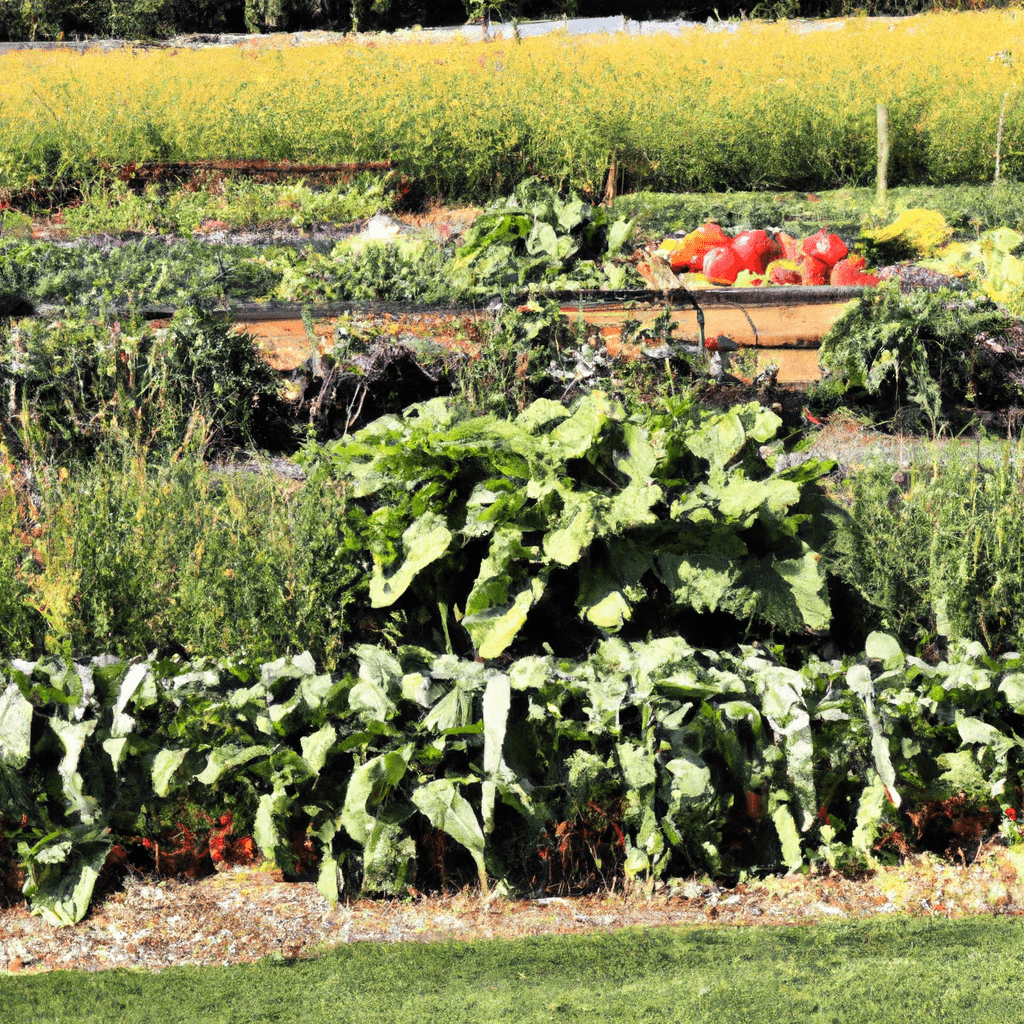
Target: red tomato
{"type": "Point", "coordinates": [721, 265]}
{"type": "Point", "coordinates": [757, 249]}
{"type": "Point", "coordinates": [852, 271]}
{"type": "Point", "coordinates": [814, 271]}
{"type": "Point", "coordinates": [830, 249]}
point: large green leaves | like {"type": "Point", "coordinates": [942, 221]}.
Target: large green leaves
{"type": "Point", "coordinates": [657, 743]}
{"type": "Point", "coordinates": [604, 503]}
{"type": "Point", "coordinates": [534, 240]}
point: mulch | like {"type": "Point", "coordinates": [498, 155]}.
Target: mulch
{"type": "Point", "coordinates": [243, 914]}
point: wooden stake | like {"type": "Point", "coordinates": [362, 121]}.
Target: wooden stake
{"type": "Point", "coordinates": [610, 185]}
{"type": "Point", "coordinates": [883, 153]}
{"type": "Point", "coordinates": [999, 132]}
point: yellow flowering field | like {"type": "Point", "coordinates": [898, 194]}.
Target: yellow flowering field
{"type": "Point", "coordinates": [766, 106]}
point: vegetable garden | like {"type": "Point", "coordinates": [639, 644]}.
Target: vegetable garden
{"type": "Point", "coordinates": [557, 634]}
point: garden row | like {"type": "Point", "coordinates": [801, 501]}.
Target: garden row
{"type": "Point", "coordinates": [647, 760]}
{"type": "Point", "coordinates": [470, 121]}
{"type": "Point", "coordinates": [533, 241]}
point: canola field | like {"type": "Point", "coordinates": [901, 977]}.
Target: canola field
{"type": "Point", "coordinates": [771, 106]}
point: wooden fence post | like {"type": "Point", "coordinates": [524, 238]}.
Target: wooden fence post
{"type": "Point", "coordinates": [883, 153]}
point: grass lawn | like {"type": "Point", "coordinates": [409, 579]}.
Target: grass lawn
{"type": "Point", "coordinates": [895, 969]}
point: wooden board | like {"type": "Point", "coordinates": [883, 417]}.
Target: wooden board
{"type": "Point", "coordinates": [785, 335]}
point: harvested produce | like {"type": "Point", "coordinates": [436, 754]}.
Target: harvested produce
{"type": "Point", "coordinates": [852, 271]}
{"type": "Point", "coordinates": [723, 264]}
{"type": "Point", "coordinates": [687, 254]}
{"type": "Point", "coordinates": [757, 249]}
{"type": "Point", "coordinates": [828, 248]}
{"type": "Point", "coordinates": [708, 256]}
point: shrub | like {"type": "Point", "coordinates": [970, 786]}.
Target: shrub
{"type": "Point", "coordinates": [911, 358]}
{"type": "Point", "coordinates": [938, 549]}
{"type": "Point", "coordinates": [83, 383]}
{"type": "Point", "coordinates": [127, 558]}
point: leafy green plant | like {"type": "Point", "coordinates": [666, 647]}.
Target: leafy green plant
{"type": "Point", "coordinates": [991, 261]}
{"type": "Point", "coordinates": [96, 278]}
{"type": "Point", "coordinates": [513, 363]}
{"type": "Point", "coordinates": [113, 207]}
{"type": "Point", "coordinates": [84, 383]}
{"type": "Point", "coordinates": [911, 357]}
{"type": "Point", "coordinates": [501, 522]}
{"type": "Point", "coordinates": [534, 239]}
{"type": "Point", "coordinates": [671, 743]}
{"type": "Point", "coordinates": [363, 271]}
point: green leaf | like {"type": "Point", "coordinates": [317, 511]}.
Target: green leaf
{"type": "Point", "coordinates": [870, 812]}
{"type": "Point", "coordinates": [372, 781]}
{"type": "Point", "coordinates": [718, 439]}
{"type": "Point", "coordinates": [122, 724]}
{"type": "Point", "coordinates": [380, 679]}
{"type": "Point", "coordinates": [1012, 688]}
{"type": "Point", "coordinates": [807, 584]}
{"type": "Point", "coordinates": [165, 764]}
{"type": "Point", "coordinates": [619, 233]}
{"type": "Point", "coordinates": [638, 768]}
{"type": "Point", "coordinates": [295, 666]}
{"type": "Point", "coordinates": [425, 541]}
{"type": "Point", "coordinates": [15, 728]}
{"type": "Point", "coordinates": [577, 435]}
{"type": "Point", "coordinates": [577, 526]}
{"type": "Point", "coordinates": [792, 855]}
{"type": "Point", "coordinates": [884, 648]}
{"type": "Point", "coordinates": [496, 705]}
{"type": "Point", "coordinates": [72, 736]}
{"type": "Point", "coordinates": [316, 746]}
{"type": "Point", "coordinates": [448, 810]}
{"type": "Point", "coordinates": [572, 213]}
{"type": "Point", "coordinates": [116, 749]}
{"type": "Point", "coordinates": [698, 580]}
{"type": "Point", "coordinates": [606, 608]}
{"type": "Point", "coordinates": [224, 757]}
{"type": "Point", "coordinates": [542, 240]}
{"type": "Point", "coordinates": [494, 629]}
{"type": "Point", "coordinates": [691, 777]}
{"type": "Point", "coordinates": [63, 895]}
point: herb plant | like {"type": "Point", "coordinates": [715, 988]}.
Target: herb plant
{"type": "Point", "coordinates": [910, 357]}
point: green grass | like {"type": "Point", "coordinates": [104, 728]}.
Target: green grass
{"type": "Point", "coordinates": [884, 970]}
